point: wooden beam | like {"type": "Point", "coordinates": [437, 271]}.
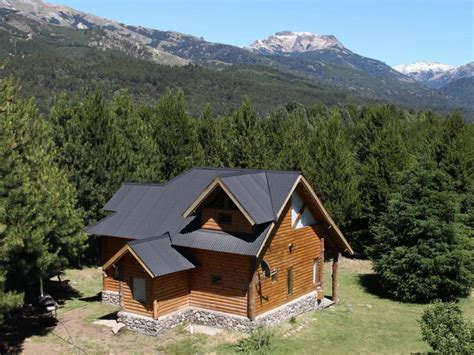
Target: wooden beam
{"type": "Point", "coordinates": [328, 218]}
{"type": "Point", "coordinates": [335, 262]}
{"type": "Point", "coordinates": [251, 294]}
{"type": "Point", "coordinates": [299, 215]}
{"type": "Point", "coordinates": [321, 264]}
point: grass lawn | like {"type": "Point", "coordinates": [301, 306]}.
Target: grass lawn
{"type": "Point", "coordinates": [362, 322]}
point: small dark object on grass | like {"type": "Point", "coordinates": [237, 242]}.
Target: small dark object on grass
{"type": "Point", "coordinates": [292, 320]}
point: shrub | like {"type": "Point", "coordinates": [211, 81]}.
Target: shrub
{"type": "Point", "coordinates": [419, 252]}
{"type": "Point", "coordinates": [260, 340]}
{"type": "Point", "coordinates": [445, 330]}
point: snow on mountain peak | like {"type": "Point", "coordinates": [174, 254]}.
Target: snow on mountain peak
{"type": "Point", "coordinates": [423, 71]}
{"type": "Point", "coordinates": [422, 67]}
{"type": "Point", "coordinates": [290, 41]}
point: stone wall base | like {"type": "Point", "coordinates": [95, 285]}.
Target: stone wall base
{"type": "Point", "coordinates": [152, 326]}
{"type": "Point", "coordinates": [111, 297]}
{"type": "Point", "coordinates": [186, 316]}
{"type": "Point", "coordinates": [303, 304]}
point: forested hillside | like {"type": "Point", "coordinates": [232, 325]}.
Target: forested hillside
{"type": "Point", "coordinates": [49, 59]}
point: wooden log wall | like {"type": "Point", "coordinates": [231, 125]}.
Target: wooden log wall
{"type": "Point", "coordinates": [231, 294]}
{"type": "Point", "coordinates": [132, 268]}
{"type": "Point", "coordinates": [305, 249]}
{"type": "Point", "coordinates": [240, 224]}
{"type": "Point", "coordinates": [171, 292]}
{"type": "Point", "coordinates": [108, 247]}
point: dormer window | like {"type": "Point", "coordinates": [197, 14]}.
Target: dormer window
{"type": "Point", "coordinates": [222, 201]}
{"type": "Point", "coordinates": [300, 214]}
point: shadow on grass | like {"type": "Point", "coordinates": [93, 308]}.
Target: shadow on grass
{"type": "Point", "coordinates": [61, 291]}
{"type": "Point", "coordinates": [371, 284]}
{"type": "Point", "coordinates": [95, 298]}
{"type": "Point", "coordinates": [22, 325]}
{"type": "Point", "coordinates": [110, 316]}
{"type": "Point", "coordinates": [15, 330]}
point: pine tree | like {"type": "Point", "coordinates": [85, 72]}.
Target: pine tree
{"type": "Point", "coordinates": [103, 144]}
{"type": "Point", "coordinates": [213, 137]}
{"type": "Point", "coordinates": [287, 138]}
{"type": "Point", "coordinates": [381, 153]}
{"type": "Point", "coordinates": [176, 135]}
{"type": "Point", "coordinates": [420, 243]}
{"type": "Point", "coordinates": [332, 169]}
{"type": "Point", "coordinates": [249, 148]}
{"type": "Point", "coordinates": [42, 227]}
{"type": "Point", "coordinates": [8, 300]}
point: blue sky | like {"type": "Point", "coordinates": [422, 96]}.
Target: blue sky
{"type": "Point", "coordinates": [394, 31]}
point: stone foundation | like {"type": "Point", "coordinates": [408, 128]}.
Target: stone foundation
{"type": "Point", "coordinates": [303, 304]}
{"type": "Point", "coordinates": [111, 297]}
{"type": "Point", "coordinates": [152, 326]}
{"type": "Point", "coordinates": [186, 316]}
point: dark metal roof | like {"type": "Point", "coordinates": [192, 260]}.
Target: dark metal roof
{"type": "Point", "coordinates": [142, 211]}
{"type": "Point", "coordinates": [191, 236]}
{"type": "Point", "coordinates": [160, 256]}
{"type": "Point", "coordinates": [253, 193]}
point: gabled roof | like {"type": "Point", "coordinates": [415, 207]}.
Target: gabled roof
{"type": "Point", "coordinates": [192, 236]}
{"type": "Point", "coordinates": [156, 254]}
{"type": "Point", "coordinates": [145, 211]}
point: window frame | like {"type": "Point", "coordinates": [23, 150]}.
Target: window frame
{"type": "Point", "coordinates": [315, 271]}
{"type": "Point", "coordinates": [134, 293]}
{"type": "Point", "coordinates": [289, 281]}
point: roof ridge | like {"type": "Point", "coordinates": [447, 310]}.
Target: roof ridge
{"type": "Point", "coordinates": [239, 173]}
{"type": "Point", "coordinates": [155, 237]}
{"type": "Point", "coordinates": [235, 171]}
{"type": "Point", "coordinates": [142, 184]}
{"type": "Point", "coordinates": [250, 170]}
{"type": "Point", "coordinates": [270, 194]}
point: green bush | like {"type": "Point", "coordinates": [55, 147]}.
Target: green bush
{"type": "Point", "coordinates": [260, 341]}
{"type": "Point", "coordinates": [445, 330]}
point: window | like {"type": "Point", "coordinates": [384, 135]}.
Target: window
{"type": "Point", "coordinates": [222, 201]}
{"type": "Point", "coordinates": [315, 271]}
{"type": "Point", "coordinates": [224, 218]}
{"type": "Point", "coordinates": [289, 281]}
{"type": "Point", "coordinates": [139, 289]}
{"type": "Point", "coordinates": [117, 271]}
{"type": "Point", "coordinates": [300, 214]}
{"type": "Point", "coordinates": [274, 275]}
{"type": "Point", "coordinates": [216, 280]}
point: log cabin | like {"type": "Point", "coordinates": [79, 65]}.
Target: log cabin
{"type": "Point", "coordinates": [225, 247]}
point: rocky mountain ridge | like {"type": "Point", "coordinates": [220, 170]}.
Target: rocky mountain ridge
{"type": "Point", "coordinates": [434, 74]}
{"type": "Point", "coordinates": [290, 41]}
{"type": "Point", "coordinates": [322, 59]}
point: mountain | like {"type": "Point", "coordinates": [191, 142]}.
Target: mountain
{"type": "Point", "coordinates": [113, 35]}
{"type": "Point", "coordinates": [289, 42]}
{"type": "Point", "coordinates": [461, 72]}
{"type": "Point", "coordinates": [435, 75]}
{"type": "Point", "coordinates": [462, 89]}
{"type": "Point", "coordinates": [288, 46]}
{"type": "Point", "coordinates": [422, 71]}
{"type": "Point", "coordinates": [319, 68]}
